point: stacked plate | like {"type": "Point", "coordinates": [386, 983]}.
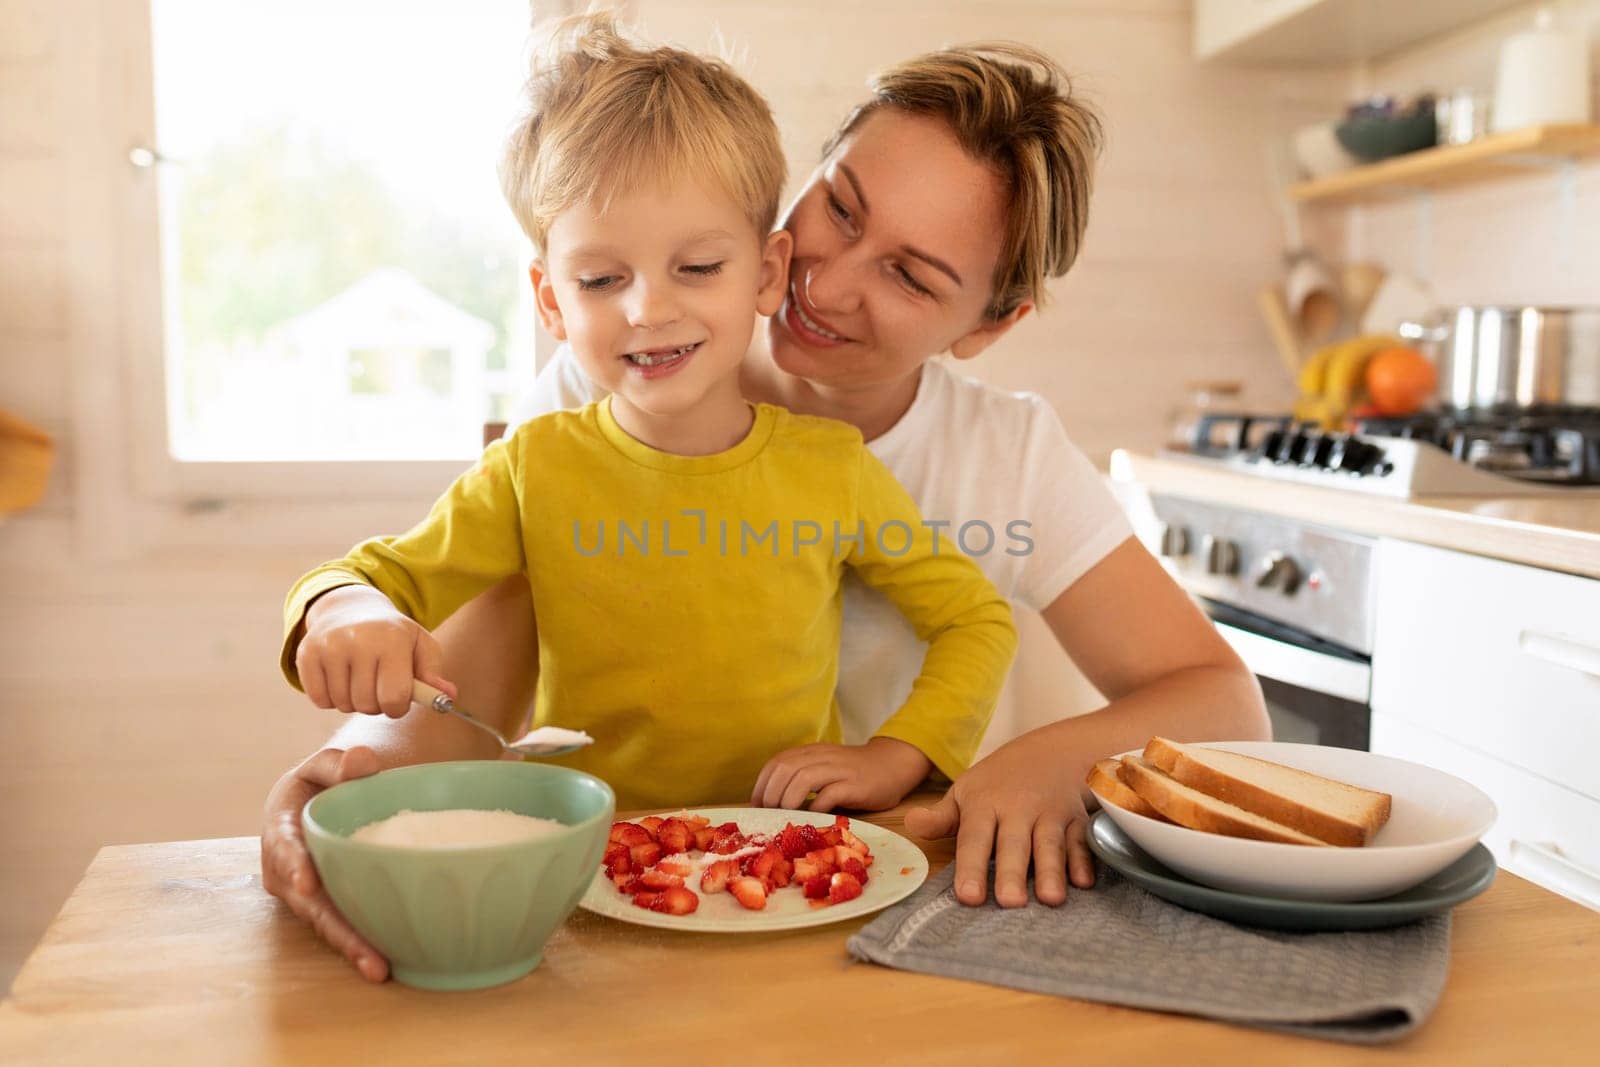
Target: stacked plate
{"type": "Point", "coordinates": [1426, 859]}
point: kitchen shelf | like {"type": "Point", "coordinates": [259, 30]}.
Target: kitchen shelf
{"type": "Point", "coordinates": [1494, 156]}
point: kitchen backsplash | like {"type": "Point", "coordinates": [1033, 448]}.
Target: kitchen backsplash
{"type": "Point", "coordinates": [1501, 241]}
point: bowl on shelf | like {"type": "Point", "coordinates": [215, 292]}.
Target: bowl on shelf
{"type": "Point", "coordinates": [1382, 128]}
{"type": "Point", "coordinates": [460, 917]}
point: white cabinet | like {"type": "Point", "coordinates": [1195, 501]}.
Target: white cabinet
{"type": "Point", "coordinates": [1491, 671]}
{"type": "Point", "coordinates": [1543, 832]}
{"type": "Point", "coordinates": [1325, 31]}
{"type": "Point", "coordinates": [1500, 657]}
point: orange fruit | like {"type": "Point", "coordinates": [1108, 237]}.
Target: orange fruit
{"type": "Point", "coordinates": [1400, 380]}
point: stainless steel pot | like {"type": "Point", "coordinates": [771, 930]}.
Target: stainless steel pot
{"type": "Point", "coordinates": [1513, 358]}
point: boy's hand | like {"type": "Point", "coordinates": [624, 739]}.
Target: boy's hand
{"type": "Point", "coordinates": [870, 777]}
{"type": "Point", "coordinates": [1021, 801]}
{"type": "Point", "coordinates": [359, 654]}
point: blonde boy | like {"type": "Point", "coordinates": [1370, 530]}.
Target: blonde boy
{"type": "Point", "coordinates": [684, 547]}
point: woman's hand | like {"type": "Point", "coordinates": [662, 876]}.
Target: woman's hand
{"type": "Point", "coordinates": [870, 777]}
{"type": "Point", "coordinates": [286, 868]}
{"type": "Point", "coordinates": [1022, 801]}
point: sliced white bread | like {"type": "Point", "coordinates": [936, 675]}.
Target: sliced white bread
{"type": "Point", "coordinates": [1105, 778]}
{"type": "Point", "coordinates": [1191, 808]}
{"type": "Point", "coordinates": [1331, 811]}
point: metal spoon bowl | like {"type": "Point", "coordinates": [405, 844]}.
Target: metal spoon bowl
{"type": "Point", "coordinates": [554, 741]}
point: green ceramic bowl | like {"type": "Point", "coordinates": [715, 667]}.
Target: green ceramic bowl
{"type": "Point", "coordinates": [461, 918]}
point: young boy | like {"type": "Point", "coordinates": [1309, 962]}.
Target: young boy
{"type": "Point", "coordinates": [684, 548]}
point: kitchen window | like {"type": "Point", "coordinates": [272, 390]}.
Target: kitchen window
{"type": "Point", "coordinates": [341, 287]}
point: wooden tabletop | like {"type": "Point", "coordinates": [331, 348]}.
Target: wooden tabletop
{"type": "Point", "coordinates": [173, 953]}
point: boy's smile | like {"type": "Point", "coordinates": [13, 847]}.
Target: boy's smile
{"type": "Point", "coordinates": [658, 290]}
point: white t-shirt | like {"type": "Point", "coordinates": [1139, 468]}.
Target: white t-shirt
{"type": "Point", "coordinates": [995, 467]}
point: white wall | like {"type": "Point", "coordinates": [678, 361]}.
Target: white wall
{"type": "Point", "coordinates": [139, 696]}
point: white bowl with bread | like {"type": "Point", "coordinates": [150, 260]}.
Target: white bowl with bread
{"type": "Point", "coordinates": [1301, 822]}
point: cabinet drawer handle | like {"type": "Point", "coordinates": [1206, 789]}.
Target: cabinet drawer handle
{"type": "Point", "coordinates": [1546, 863]}
{"type": "Point", "coordinates": [1563, 651]}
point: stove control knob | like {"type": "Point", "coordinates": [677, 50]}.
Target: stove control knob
{"type": "Point", "coordinates": [1174, 540]}
{"type": "Point", "coordinates": [1279, 570]}
{"type": "Point", "coordinates": [1221, 555]}
{"type": "Point", "coordinates": [1292, 448]}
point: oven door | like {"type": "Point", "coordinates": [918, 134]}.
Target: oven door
{"type": "Point", "coordinates": [1317, 692]}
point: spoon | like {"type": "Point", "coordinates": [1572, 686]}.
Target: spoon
{"type": "Point", "coordinates": [545, 741]}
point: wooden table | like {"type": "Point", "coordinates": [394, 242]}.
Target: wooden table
{"type": "Point", "coordinates": [173, 953]}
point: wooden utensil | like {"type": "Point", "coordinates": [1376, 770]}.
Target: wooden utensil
{"type": "Point", "coordinates": [1275, 310]}
{"type": "Point", "coordinates": [1360, 282]}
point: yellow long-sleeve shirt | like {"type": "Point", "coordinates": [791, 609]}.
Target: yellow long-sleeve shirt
{"type": "Point", "coordinates": [689, 606]}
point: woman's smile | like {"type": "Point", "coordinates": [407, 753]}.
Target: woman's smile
{"type": "Point", "coordinates": [807, 324]}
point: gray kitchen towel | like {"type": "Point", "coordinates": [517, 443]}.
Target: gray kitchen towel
{"type": "Point", "coordinates": [1119, 944]}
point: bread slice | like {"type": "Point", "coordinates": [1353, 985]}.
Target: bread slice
{"type": "Point", "coordinates": [1194, 809]}
{"type": "Point", "coordinates": [1331, 811]}
{"type": "Point", "coordinates": [1105, 778]}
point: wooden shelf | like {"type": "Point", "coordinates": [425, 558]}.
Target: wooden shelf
{"type": "Point", "coordinates": [1489, 157]}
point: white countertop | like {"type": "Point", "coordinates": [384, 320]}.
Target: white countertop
{"type": "Point", "coordinates": [1555, 532]}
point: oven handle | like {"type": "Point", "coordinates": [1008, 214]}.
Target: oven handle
{"type": "Point", "coordinates": [1562, 651]}
{"type": "Point", "coordinates": [1285, 662]}
{"type": "Point", "coordinates": [1548, 864]}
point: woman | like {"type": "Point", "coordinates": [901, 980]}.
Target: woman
{"type": "Point", "coordinates": [939, 210]}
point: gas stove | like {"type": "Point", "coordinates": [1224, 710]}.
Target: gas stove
{"type": "Point", "coordinates": [1546, 452]}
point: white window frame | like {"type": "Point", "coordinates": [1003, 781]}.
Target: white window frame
{"type": "Point", "coordinates": [128, 102]}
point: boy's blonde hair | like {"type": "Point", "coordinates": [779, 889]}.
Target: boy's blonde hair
{"type": "Point", "coordinates": [607, 114]}
{"type": "Point", "coordinates": [1011, 107]}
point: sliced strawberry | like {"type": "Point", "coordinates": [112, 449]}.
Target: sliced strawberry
{"type": "Point", "coordinates": [704, 838]}
{"type": "Point", "coordinates": [621, 881]}
{"type": "Point", "coordinates": [647, 900]}
{"type": "Point", "coordinates": [810, 838]}
{"type": "Point", "coordinates": [806, 868]}
{"type": "Point", "coordinates": [825, 860]}
{"type": "Point", "coordinates": [618, 860]}
{"type": "Point", "coordinates": [830, 836]}
{"type": "Point", "coordinates": [656, 878]}
{"type": "Point", "coordinates": [730, 844]}
{"type": "Point", "coordinates": [749, 892]}
{"type": "Point", "coordinates": [681, 866]}
{"type": "Point", "coordinates": [729, 828]}
{"type": "Point", "coordinates": [770, 867]}
{"type": "Point", "coordinates": [634, 884]}
{"type": "Point", "coordinates": [645, 855]}
{"type": "Point", "coordinates": [630, 834]}
{"type": "Point", "coordinates": [716, 877]}
{"type": "Point", "coordinates": [841, 855]}
{"type": "Point", "coordinates": [651, 824]}
{"type": "Point", "coordinates": [855, 869]}
{"type": "Point", "coordinates": [675, 836]}
{"type": "Point", "coordinates": [677, 901]}
{"type": "Point", "coordinates": [696, 822]}
{"type": "Point", "coordinates": [817, 888]}
{"type": "Point", "coordinates": [790, 843]}
{"type": "Point", "coordinates": [843, 887]}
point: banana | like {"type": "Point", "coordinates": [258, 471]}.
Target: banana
{"type": "Point", "coordinates": [1317, 409]}
{"type": "Point", "coordinates": [1314, 372]}
{"type": "Point", "coordinates": [1346, 367]}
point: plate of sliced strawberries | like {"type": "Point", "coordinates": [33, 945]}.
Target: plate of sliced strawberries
{"type": "Point", "coordinates": [722, 870]}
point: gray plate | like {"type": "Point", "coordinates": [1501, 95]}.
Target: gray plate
{"type": "Point", "coordinates": [1462, 880]}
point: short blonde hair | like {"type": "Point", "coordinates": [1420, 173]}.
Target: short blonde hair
{"type": "Point", "coordinates": [607, 114]}
{"type": "Point", "coordinates": [1011, 107]}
